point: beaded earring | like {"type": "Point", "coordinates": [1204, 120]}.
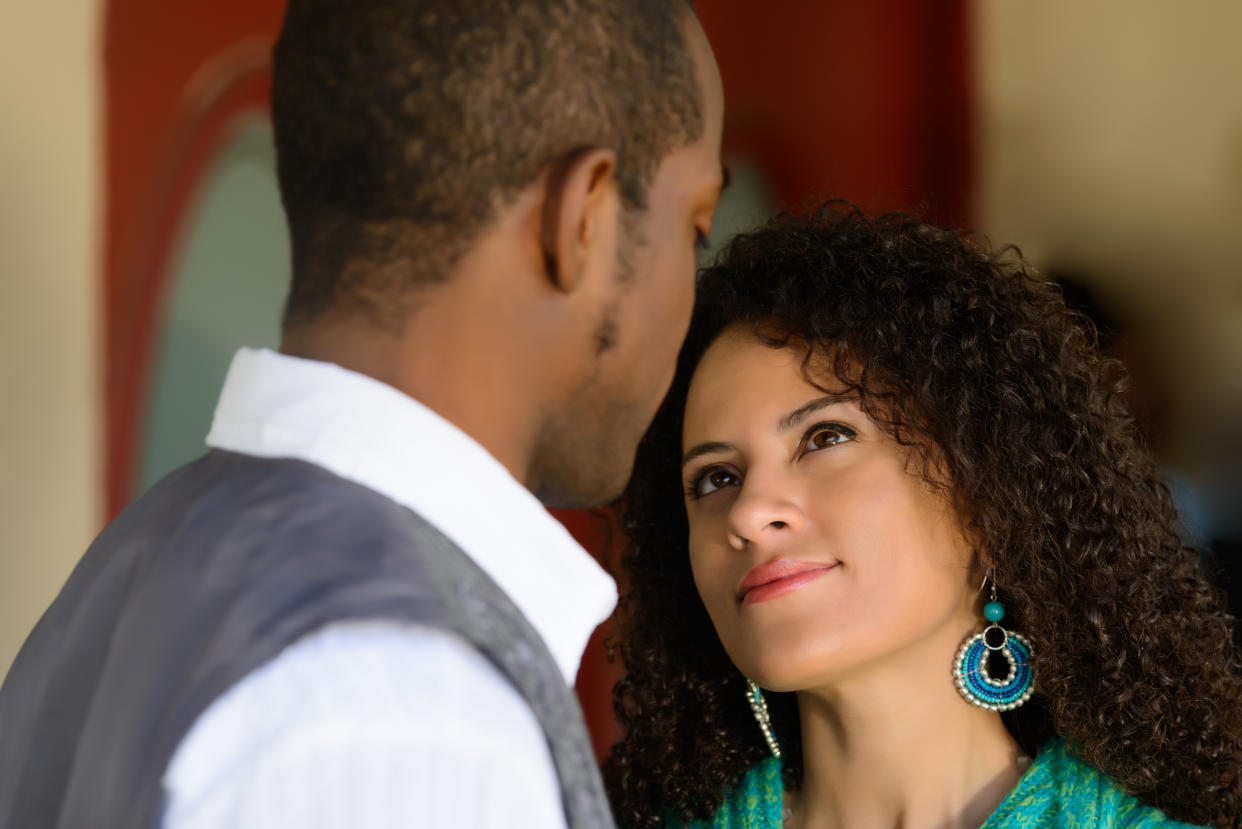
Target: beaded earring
{"type": "Point", "coordinates": [759, 707]}
{"type": "Point", "coordinates": [970, 669]}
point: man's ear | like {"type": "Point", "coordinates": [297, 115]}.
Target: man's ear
{"type": "Point", "coordinates": [575, 208]}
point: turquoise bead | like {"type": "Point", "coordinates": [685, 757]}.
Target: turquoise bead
{"type": "Point", "coordinates": [994, 611]}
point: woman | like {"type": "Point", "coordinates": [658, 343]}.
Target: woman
{"type": "Point", "coordinates": [894, 486]}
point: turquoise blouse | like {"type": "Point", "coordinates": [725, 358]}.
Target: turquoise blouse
{"type": "Point", "coordinates": [1057, 791]}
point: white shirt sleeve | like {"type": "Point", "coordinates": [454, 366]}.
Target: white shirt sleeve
{"type": "Point", "coordinates": [366, 725]}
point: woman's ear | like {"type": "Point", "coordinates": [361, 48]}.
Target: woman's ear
{"type": "Point", "coordinates": [576, 207]}
{"type": "Point", "coordinates": [982, 560]}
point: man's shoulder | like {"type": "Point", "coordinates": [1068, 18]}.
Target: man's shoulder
{"type": "Point", "coordinates": [400, 714]}
{"type": "Point", "coordinates": [225, 497]}
{"type": "Point", "coordinates": [357, 681]}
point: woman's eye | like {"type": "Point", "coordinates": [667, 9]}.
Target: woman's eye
{"type": "Point", "coordinates": [828, 434]}
{"type": "Point", "coordinates": [710, 481]}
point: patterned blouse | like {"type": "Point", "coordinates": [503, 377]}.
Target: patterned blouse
{"type": "Point", "coordinates": [1057, 791]}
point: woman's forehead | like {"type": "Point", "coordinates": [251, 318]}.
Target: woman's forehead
{"type": "Point", "coordinates": [740, 378]}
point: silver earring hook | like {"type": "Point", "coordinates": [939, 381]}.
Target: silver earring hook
{"type": "Point", "coordinates": [987, 576]}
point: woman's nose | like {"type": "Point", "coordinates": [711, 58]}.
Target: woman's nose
{"type": "Point", "coordinates": [763, 514]}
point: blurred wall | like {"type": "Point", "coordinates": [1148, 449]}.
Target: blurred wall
{"type": "Point", "coordinates": [50, 394]}
{"type": "Point", "coordinates": [869, 102]}
{"type": "Point", "coordinates": [1111, 146]}
{"type": "Point", "coordinates": [180, 79]}
{"type": "Point", "coordinates": [225, 289]}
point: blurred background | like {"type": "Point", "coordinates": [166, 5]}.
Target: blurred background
{"type": "Point", "coordinates": [142, 240]}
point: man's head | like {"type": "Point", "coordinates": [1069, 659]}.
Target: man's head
{"type": "Point", "coordinates": [588, 446]}
{"type": "Point", "coordinates": [511, 193]}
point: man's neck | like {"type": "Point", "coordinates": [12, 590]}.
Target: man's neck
{"type": "Point", "coordinates": [455, 364]}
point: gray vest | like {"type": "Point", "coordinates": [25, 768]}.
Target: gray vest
{"type": "Point", "coordinates": [205, 578]}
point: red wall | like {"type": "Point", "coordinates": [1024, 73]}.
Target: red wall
{"type": "Point", "coordinates": [866, 101]}
{"type": "Point", "coordinates": [176, 76]}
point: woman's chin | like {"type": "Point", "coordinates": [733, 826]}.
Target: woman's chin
{"type": "Point", "coordinates": [795, 672]}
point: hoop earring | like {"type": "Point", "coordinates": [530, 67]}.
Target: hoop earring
{"type": "Point", "coordinates": [970, 668]}
{"type": "Point", "coordinates": [759, 707]}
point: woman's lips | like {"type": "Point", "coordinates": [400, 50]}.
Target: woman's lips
{"type": "Point", "coordinates": [776, 578]}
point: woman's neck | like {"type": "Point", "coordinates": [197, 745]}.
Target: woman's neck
{"type": "Point", "coordinates": [897, 746]}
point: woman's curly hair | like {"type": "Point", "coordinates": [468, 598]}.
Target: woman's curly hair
{"type": "Point", "coordinates": [965, 355]}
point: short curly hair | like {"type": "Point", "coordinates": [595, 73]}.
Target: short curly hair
{"type": "Point", "coordinates": [401, 125]}
{"type": "Point", "coordinates": [965, 351]}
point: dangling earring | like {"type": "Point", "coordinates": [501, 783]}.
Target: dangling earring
{"type": "Point", "coordinates": [970, 670]}
{"type": "Point", "coordinates": [759, 707]}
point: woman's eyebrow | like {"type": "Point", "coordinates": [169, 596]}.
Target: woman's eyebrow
{"type": "Point", "coordinates": [787, 422]}
{"type": "Point", "coordinates": [799, 414]}
{"type": "Point", "coordinates": [705, 449]}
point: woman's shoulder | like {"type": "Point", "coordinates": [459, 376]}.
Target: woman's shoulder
{"type": "Point", "coordinates": [754, 803]}
{"type": "Point", "coordinates": [1060, 791]}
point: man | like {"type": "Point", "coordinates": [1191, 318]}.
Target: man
{"type": "Point", "coordinates": [354, 610]}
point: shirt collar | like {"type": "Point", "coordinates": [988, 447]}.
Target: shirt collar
{"type": "Point", "coordinates": [274, 405]}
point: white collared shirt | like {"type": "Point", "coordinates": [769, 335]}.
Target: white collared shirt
{"type": "Point", "coordinates": [379, 724]}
